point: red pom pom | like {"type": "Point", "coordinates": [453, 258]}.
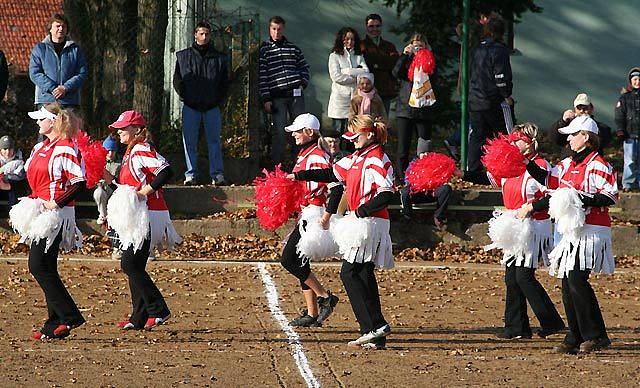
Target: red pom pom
{"type": "Point", "coordinates": [94, 157]}
{"type": "Point", "coordinates": [423, 59]}
{"type": "Point", "coordinates": [503, 159]}
{"type": "Point", "coordinates": [277, 198]}
{"type": "Point", "coordinates": [429, 172]}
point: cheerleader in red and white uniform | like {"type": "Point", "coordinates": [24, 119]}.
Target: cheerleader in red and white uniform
{"type": "Point", "coordinates": [574, 260]}
{"type": "Point", "coordinates": [520, 279]}
{"type": "Point", "coordinates": [147, 171]}
{"type": "Point", "coordinates": [56, 177]}
{"type": "Point", "coordinates": [367, 176]}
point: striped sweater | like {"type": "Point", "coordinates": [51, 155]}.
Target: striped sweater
{"type": "Point", "coordinates": [282, 68]}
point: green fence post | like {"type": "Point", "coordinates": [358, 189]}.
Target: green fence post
{"type": "Point", "coordinates": [464, 68]}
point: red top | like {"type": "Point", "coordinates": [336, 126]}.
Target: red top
{"type": "Point", "coordinates": [366, 173]}
{"type": "Point", "coordinates": [592, 175]}
{"type": "Point", "coordinates": [523, 189]}
{"type": "Point", "coordinates": [52, 167]}
{"type": "Point", "coordinates": [139, 167]}
{"type": "Point", "coordinates": [313, 158]}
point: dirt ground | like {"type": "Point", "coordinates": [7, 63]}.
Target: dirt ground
{"type": "Point", "coordinates": [222, 332]}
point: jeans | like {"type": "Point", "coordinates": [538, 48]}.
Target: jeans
{"type": "Point", "coordinates": [212, 121]}
{"type": "Point", "coordinates": [630, 176]}
{"type": "Point", "coordinates": [284, 111]}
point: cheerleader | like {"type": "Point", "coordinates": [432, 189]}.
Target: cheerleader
{"type": "Point", "coordinates": [520, 280]}
{"type": "Point", "coordinates": [56, 178]}
{"type": "Point", "coordinates": [573, 261]}
{"type": "Point", "coordinates": [147, 171]}
{"type": "Point", "coordinates": [367, 175]}
{"type": "Point", "coordinates": [320, 302]}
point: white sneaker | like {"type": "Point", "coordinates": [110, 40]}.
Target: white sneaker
{"type": "Point", "coordinates": [365, 338]}
{"type": "Point", "coordinates": [152, 256]}
{"type": "Point", "coordinates": [382, 331]}
{"type": "Point", "coordinates": [218, 180]}
{"type": "Point", "coordinates": [116, 254]}
{"type": "Point", "coordinates": [101, 220]}
{"type": "Point", "coordinates": [189, 181]}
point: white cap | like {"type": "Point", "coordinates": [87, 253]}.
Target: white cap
{"type": "Point", "coordinates": [42, 114]}
{"type": "Point", "coordinates": [582, 99]}
{"type": "Point", "coordinates": [366, 75]}
{"type": "Point", "coordinates": [305, 120]}
{"type": "Point", "coordinates": [580, 123]}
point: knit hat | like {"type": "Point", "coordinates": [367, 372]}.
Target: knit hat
{"type": "Point", "coordinates": [635, 72]}
{"type": "Point", "coordinates": [7, 143]}
{"type": "Point", "coordinates": [368, 76]}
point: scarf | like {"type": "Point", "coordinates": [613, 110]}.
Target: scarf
{"type": "Point", "coordinates": [365, 104]}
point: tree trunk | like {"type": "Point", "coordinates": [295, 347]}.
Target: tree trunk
{"type": "Point", "coordinates": [149, 72]}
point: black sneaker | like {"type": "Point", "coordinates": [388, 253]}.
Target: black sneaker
{"type": "Point", "coordinates": [595, 344]}
{"type": "Point", "coordinates": [305, 320]}
{"type": "Point", "coordinates": [326, 306]}
{"type": "Point", "coordinates": [504, 336]}
{"type": "Point", "coordinates": [544, 333]}
{"type": "Point", "coordinates": [564, 348]}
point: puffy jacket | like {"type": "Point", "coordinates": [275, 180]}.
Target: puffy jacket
{"type": "Point", "coordinates": [201, 80]}
{"type": "Point", "coordinates": [343, 70]}
{"type": "Point", "coordinates": [490, 78]}
{"type": "Point", "coordinates": [48, 71]}
{"type": "Point", "coordinates": [627, 113]}
{"type": "Point", "coordinates": [403, 109]}
{"type": "Point", "coordinates": [381, 58]}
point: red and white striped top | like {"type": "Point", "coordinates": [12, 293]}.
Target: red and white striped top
{"type": "Point", "coordinates": [313, 158]}
{"type": "Point", "coordinates": [52, 167]}
{"type": "Point", "coordinates": [592, 175]}
{"type": "Point", "coordinates": [365, 173]}
{"type": "Point", "coordinates": [139, 167]}
{"type": "Point", "coordinates": [522, 189]}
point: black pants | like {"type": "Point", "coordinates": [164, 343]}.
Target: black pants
{"type": "Point", "coordinates": [146, 299]}
{"type": "Point", "coordinates": [484, 124]}
{"type": "Point", "coordinates": [360, 283]}
{"type": "Point", "coordinates": [292, 261]}
{"type": "Point", "coordinates": [440, 196]}
{"type": "Point", "coordinates": [581, 308]}
{"type": "Point", "coordinates": [522, 286]}
{"type": "Point", "coordinates": [60, 305]}
{"type": "Point", "coordinates": [405, 135]}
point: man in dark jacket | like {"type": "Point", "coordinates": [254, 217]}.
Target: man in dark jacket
{"type": "Point", "coordinates": [57, 66]}
{"type": "Point", "coordinates": [4, 76]}
{"type": "Point", "coordinates": [490, 87]}
{"type": "Point", "coordinates": [283, 74]}
{"type": "Point", "coordinates": [380, 56]}
{"type": "Point", "coordinates": [627, 118]}
{"type": "Point", "coordinates": [201, 79]}
{"type": "Point", "coordinates": [581, 106]}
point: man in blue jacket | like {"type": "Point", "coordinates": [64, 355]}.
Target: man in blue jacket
{"type": "Point", "coordinates": [57, 66]}
{"type": "Point", "coordinates": [201, 80]}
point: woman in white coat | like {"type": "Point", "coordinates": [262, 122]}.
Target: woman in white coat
{"type": "Point", "coordinates": [345, 63]}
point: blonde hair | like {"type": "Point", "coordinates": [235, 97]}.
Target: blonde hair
{"type": "Point", "coordinates": [141, 135]}
{"type": "Point", "coordinates": [67, 122]}
{"type": "Point", "coordinates": [359, 124]}
{"type": "Point", "coordinates": [531, 130]}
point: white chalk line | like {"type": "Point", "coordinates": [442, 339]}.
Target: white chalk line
{"type": "Point", "coordinates": [294, 339]}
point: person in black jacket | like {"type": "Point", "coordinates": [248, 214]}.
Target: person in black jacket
{"type": "Point", "coordinates": [581, 106]}
{"type": "Point", "coordinates": [627, 117]}
{"type": "Point", "coordinates": [4, 75]}
{"type": "Point", "coordinates": [201, 79]}
{"type": "Point", "coordinates": [409, 117]}
{"type": "Point", "coordinates": [490, 87]}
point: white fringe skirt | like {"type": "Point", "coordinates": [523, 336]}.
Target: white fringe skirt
{"type": "Point", "coordinates": [373, 236]}
{"type": "Point", "coordinates": [539, 246]}
{"type": "Point", "coordinates": [163, 234]}
{"type": "Point", "coordinates": [315, 242]}
{"type": "Point", "coordinates": [593, 249]}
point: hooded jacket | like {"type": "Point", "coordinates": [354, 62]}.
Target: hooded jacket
{"type": "Point", "coordinates": [627, 112]}
{"type": "Point", "coordinates": [47, 71]}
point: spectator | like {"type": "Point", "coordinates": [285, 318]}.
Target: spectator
{"type": "Point", "coordinates": [627, 117]}
{"type": "Point", "coordinates": [330, 143]}
{"type": "Point", "coordinates": [381, 57]}
{"type": "Point", "coordinates": [490, 85]}
{"type": "Point", "coordinates": [57, 66]}
{"type": "Point", "coordinates": [11, 168]}
{"type": "Point", "coordinates": [582, 105]}
{"type": "Point", "coordinates": [201, 79]}
{"type": "Point", "coordinates": [283, 74]}
{"type": "Point", "coordinates": [407, 116]}
{"type": "Point", "coordinates": [103, 190]}
{"type": "Point", "coordinates": [367, 101]}
{"type": "Point", "coordinates": [4, 76]}
{"type": "Point", "coordinates": [345, 64]}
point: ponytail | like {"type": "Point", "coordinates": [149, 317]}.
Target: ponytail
{"type": "Point", "coordinates": [140, 136]}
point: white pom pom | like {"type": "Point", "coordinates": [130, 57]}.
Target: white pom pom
{"type": "Point", "coordinates": [24, 213]}
{"type": "Point", "coordinates": [45, 226]}
{"type": "Point", "coordinates": [509, 233]}
{"type": "Point", "coordinates": [350, 232]}
{"type": "Point", "coordinates": [316, 243]}
{"type": "Point", "coordinates": [128, 216]}
{"type": "Point", "coordinates": [565, 207]}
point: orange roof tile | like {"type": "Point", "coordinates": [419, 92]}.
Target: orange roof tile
{"type": "Point", "coordinates": [22, 25]}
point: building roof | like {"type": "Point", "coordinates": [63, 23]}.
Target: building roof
{"type": "Point", "coordinates": [22, 25]}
